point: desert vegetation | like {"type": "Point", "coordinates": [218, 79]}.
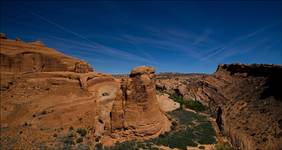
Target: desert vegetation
{"type": "Point", "coordinates": [190, 103]}
{"type": "Point", "coordinates": [188, 129]}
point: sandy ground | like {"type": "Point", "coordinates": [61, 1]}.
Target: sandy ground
{"type": "Point", "coordinates": [167, 104]}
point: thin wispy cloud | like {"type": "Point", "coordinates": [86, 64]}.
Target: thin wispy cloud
{"type": "Point", "coordinates": [231, 46]}
{"type": "Point", "coordinates": [186, 43]}
{"type": "Point", "coordinates": [203, 37]}
{"type": "Point", "coordinates": [99, 48]}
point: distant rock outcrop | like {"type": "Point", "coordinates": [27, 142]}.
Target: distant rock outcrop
{"type": "Point", "coordinates": [18, 56]}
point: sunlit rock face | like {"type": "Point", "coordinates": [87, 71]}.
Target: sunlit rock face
{"type": "Point", "coordinates": [142, 111]}
{"type": "Point", "coordinates": [252, 113]}
{"type": "Point", "coordinates": [19, 56]}
{"type": "Point", "coordinates": [129, 107]}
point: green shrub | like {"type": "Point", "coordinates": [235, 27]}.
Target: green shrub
{"type": "Point", "coordinates": [180, 139]}
{"type": "Point", "coordinates": [132, 145]}
{"type": "Point", "coordinates": [81, 131]}
{"type": "Point", "coordinates": [68, 140]}
{"type": "Point", "coordinates": [225, 146]}
{"type": "Point", "coordinates": [79, 140]}
{"type": "Point", "coordinates": [192, 104]}
{"type": "Point", "coordinates": [195, 105]}
{"type": "Point", "coordinates": [82, 147]}
{"type": "Point", "coordinates": [99, 146]}
{"type": "Point", "coordinates": [177, 98]}
{"type": "Point", "coordinates": [204, 133]}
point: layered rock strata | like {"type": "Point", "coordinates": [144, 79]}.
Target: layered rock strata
{"type": "Point", "coordinates": [19, 56]}
{"type": "Point", "coordinates": [129, 108]}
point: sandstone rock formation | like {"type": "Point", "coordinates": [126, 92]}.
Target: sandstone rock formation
{"type": "Point", "coordinates": [44, 93]}
{"type": "Point", "coordinates": [245, 97]}
{"type": "Point", "coordinates": [18, 56]}
{"type": "Point", "coordinates": [167, 104]}
{"type": "Point", "coordinates": [128, 109]}
{"type": "Point", "coordinates": [142, 112]}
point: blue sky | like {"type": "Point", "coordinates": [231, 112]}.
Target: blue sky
{"type": "Point", "coordinates": [172, 36]}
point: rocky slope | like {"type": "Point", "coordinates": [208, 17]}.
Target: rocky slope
{"type": "Point", "coordinates": [245, 99]}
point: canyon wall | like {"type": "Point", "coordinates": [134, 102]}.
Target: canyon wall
{"type": "Point", "coordinates": [246, 98]}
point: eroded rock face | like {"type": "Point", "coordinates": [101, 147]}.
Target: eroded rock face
{"type": "Point", "coordinates": [82, 67]}
{"type": "Point", "coordinates": [253, 109]}
{"type": "Point", "coordinates": [18, 56]}
{"type": "Point", "coordinates": [129, 108]}
{"type": "Point", "coordinates": [142, 112]}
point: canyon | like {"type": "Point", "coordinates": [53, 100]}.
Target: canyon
{"type": "Point", "coordinates": [49, 99]}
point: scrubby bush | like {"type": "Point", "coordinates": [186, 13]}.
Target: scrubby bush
{"type": "Point", "coordinates": [225, 146]}
{"type": "Point", "coordinates": [177, 98]}
{"type": "Point", "coordinates": [81, 131]}
{"type": "Point", "coordinates": [195, 105]}
{"type": "Point", "coordinates": [192, 104]}
{"type": "Point", "coordinates": [70, 128]}
{"type": "Point", "coordinates": [68, 140]}
{"type": "Point", "coordinates": [79, 140]}
{"type": "Point", "coordinates": [180, 139]}
{"type": "Point", "coordinates": [204, 133]}
{"type": "Point", "coordinates": [82, 147]}
{"type": "Point", "coordinates": [99, 146]}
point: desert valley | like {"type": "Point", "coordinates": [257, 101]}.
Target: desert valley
{"type": "Point", "coordinates": [53, 101]}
